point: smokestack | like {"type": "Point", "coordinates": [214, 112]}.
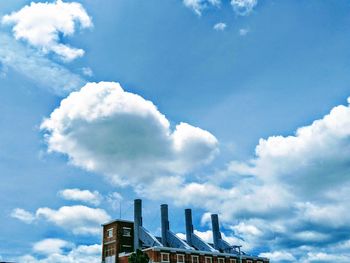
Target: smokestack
{"type": "Point", "coordinates": [189, 226]}
{"type": "Point", "coordinates": [164, 223]}
{"type": "Point", "coordinates": [216, 230]}
{"type": "Point", "coordinates": [137, 222]}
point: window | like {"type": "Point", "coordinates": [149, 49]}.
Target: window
{"type": "Point", "coordinates": [126, 231]}
{"type": "Point", "coordinates": [180, 258]}
{"type": "Point", "coordinates": [195, 259]}
{"type": "Point", "coordinates": [208, 260]}
{"type": "Point", "coordinates": [110, 232]}
{"type": "Point", "coordinates": [109, 251]}
{"type": "Point", "coordinates": [221, 260]}
{"type": "Point", "coordinates": [233, 260]}
{"type": "Point", "coordinates": [249, 261]}
{"type": "Point", "coordinates": [164, 257]}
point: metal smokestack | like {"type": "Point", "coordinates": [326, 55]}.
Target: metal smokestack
{"type": "Point", "coordinates": [216, 230]}
{"type": "Point", "coordinates": [164, 223]}
{"type": "Point", "coordinates": [189, 226]}
{"type": "Point", "coordinates": [137, 222]}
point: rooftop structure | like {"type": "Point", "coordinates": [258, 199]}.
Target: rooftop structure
{"type": "Point", "coordinates": [122, 237]}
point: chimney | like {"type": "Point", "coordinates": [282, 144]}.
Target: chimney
{"type": "Point", "coordinates": [137, 222]}
{"type": "Point", "coordinates": [189, 226]}
{"type": "Point", "coordinates": [164, 223]}
{"type": "Point", "coordinates": [216, 230]}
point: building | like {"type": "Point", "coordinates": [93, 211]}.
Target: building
{"type": "Point", "coordinates": [121, 238]}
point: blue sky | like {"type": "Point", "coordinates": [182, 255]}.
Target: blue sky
{"type": "Point", "coordinates": [231, 107]}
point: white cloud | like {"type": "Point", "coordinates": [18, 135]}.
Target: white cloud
{"type": "Point", "coordinates": [278, 256]}
{"type": "Point", "coordinates": [114, 199]}
{"type": "Point", "coordinates": [312, 161]}
{"type": "Point", "coordinates": [317, 257]}
{"type": "Point", "coordinates": [246, 229]}
{"type": "Point", "coordinates": [36, 67]}
{"type": "Point", "coordinates": [220, 26]}
{"type": "Point", "coordinates": [76, 194]}
{"type": "Point", "coordinates": [23, 215]}
{"type": "Point", "coordinates": [254, 199]}
{"type": "Point", "coordinates": [105, 129]}
{"type": "Point", "coordinates": [51, 245]}
{"type": "Point", "coordinates": [80, 220]}
{"type": "Point", "coordinates": [199, 5]}
{"type": "Point", "coordinates": [87, 71]}
{"type": "Point", "coordinates": [79, 254]}
{"type": "Point", "coordinates": [41, 23]}
{"type": "Point", "coordinates": [240, 7]}
{"type": "Point", "coordinates": [243, 31]}
{"type": "Point", "coordinates": [243, 7]}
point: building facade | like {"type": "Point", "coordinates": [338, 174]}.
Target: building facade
{"type": "Point", "coordinates": [122, 237]}
{"type": "Point", "coordinates": [117, 238]}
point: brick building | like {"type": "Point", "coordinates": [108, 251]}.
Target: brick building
{"type": "Point", "coordinates": [122, 237]}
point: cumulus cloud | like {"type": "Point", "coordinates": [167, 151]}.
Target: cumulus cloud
{"type": "Point", "coordinates": [43, 24]}
{"type": "Point", "coordinates": [220, 26]}
{"type": "Point", "coordinates": [78, 219]}
{"type": "Point", "coordinates": [70, 254]}
{"type": "Point", "coordinates": [76, 194]}
{"type": "Point", "coordinates": [104, 129]}
{"type": "Point", "coordinates": [313, 160]}
{"type": "Point", "coordinates": [23, 215]}
{"type": "Point", "coordinates": [50, 246]}
{"type": "Point", "coordinates": [243, 7]}
{"type": "Point", "coordinates": [34, 66]}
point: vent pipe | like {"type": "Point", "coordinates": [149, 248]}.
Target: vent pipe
{"type": "Point", "coordinates": [164, 223]}
{"type": "Point", "coordinates": [216, 230]}
{"type": "Point", "coordinates": [189, 226]}
{"type": "Point", "coordinates": [137, 222]}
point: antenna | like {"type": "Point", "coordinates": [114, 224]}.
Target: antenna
{"type": "Point", "coordinates": [120, 209]}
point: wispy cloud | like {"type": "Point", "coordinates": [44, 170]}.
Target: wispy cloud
{"type": "Point", "coordinates": [220, 26]}
{"type": "Point", "coordinates": [23, 215]}
{"type": "Point", "coordinates": [243, 7]}
{"type": "Point", "coordinates": [240, 7]}
{"type": "Point", "coordinates": [87, 71]}
{"type": "Point", "coordinates": [243, 31]}
{"type": "Point", "coordinates": [199, 5]}
{"type": "Point", "coordinates": [36, 67]}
